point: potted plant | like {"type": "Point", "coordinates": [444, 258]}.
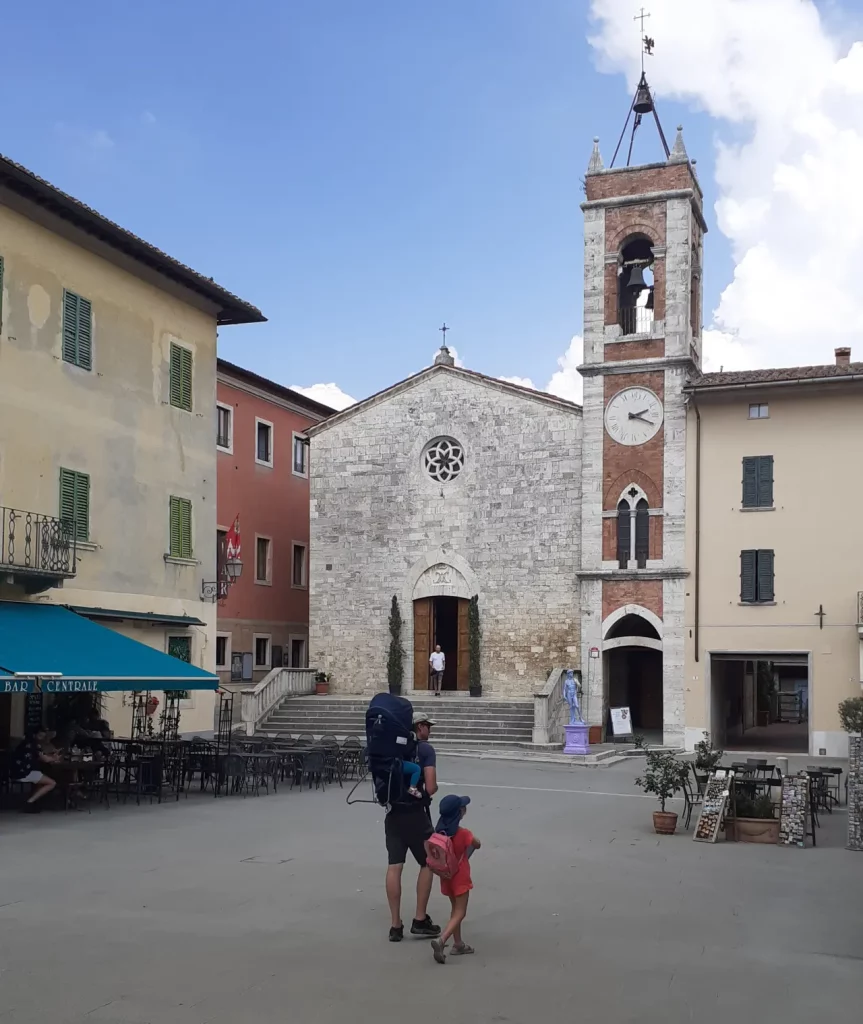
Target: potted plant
{"type": "Point", "coordinates": [707, 759]}
{"type": "Point", "coordinates": [755, 820]}
{"type": "Point", "coordinates": [322, 683]}
{"type": "Point", "coordinates": [851, 715]}
{"type": "Point", "coordinates": [663, 776]}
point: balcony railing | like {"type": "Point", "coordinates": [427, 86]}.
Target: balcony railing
{"type": "Point", "coordinates": [35, 545]}
{"type": "Point", "coordinates": [635, 320]}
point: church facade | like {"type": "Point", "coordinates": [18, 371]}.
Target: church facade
{"type": "Point", "coordinates": [447, 486]}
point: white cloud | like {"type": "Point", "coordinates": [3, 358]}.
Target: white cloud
{"type": "Point", "coordinates": [327, 394]}
{"type": "Point", "coordinates": [566, 381]}
{"type": "Point", "coordinates": [524, 382]}
{"type": "Point", "coordinates": [789, 199]}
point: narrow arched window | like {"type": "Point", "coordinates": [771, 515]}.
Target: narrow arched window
{"type": "Point", "coordinates": [635, 288]}
{"type": "Point", "coordinates": [642, 533]}
{"type": "Point", "coordinates": [624, 540]}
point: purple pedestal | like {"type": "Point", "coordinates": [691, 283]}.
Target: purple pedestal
{"type": "Point", "coordinates": [577, 739]}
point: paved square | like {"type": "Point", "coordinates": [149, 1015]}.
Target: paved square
{"type": "Point", "coordinates": [272, 910]}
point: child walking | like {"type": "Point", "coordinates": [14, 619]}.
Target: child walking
{"type": "Point", "coordinates": [459, 884]}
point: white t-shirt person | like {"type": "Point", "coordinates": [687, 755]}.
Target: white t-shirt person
{"type": "Point", "coordinates": [437, 662]}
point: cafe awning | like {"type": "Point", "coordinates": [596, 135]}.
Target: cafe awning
{"type": "Point", "coordinates": [71, 654]}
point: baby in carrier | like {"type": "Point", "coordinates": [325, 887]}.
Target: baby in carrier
{"type": "Point", "coordinates": [411, 772]}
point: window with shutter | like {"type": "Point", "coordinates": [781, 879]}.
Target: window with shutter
{"type": "Point", "coordinates": [758, 481]}
{"type": "Point", "coordinates": [748, 591]}
{"type": "Point", "coordinates": [765, 574]}
{"type": "Point", "coordinates": [181, 377]}
{"type": "Point", "coordinates": [180, 528]}
{"type": "Point", "coordinates": [77, 330]}
{"type": "Point", "coordinates": [75, 502]}
{"type": "Point", "coordinates": [642, 533]}
{"type": "Point", "coordinates": [624, 540]}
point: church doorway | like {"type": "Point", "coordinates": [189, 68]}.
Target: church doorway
{"type": "Point", "coordinates": [634, 673]}
{"type": "Point", "coordinates": [441, 620]}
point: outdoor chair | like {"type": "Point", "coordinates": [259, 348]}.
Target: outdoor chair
{"type": "Point", "coordinates": [305, 739]}
{"type": "Point", "coordinates": [692, 797]}
{"type": "Point", "coordinates": [314, 770]}
{"type": "Point", "coordinates": [232, 774]}
{"type": "Point", "coordinates": [351, 757]}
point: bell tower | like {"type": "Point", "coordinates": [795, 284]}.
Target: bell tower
{"type": "Point", "coordinates": [643, 242]}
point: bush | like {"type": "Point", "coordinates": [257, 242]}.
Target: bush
{"type": "Point", "coordinates": [706, 756]}
{"type": "Point", "coordinates": [395, 657]}
{"type": "Point", "coordinates": [664, 775]}
{"type": "Point", "coordinates": [761, 807]}
{"type": "Point", "coordinates": [851, 714]}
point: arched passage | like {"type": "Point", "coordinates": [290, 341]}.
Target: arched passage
{"type": "Point", "coordinates": [633, 672]}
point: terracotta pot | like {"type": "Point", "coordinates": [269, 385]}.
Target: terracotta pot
{"type": "Point", "coordinates": [322, 689]}
{"type": "Point", "coordinates": [664, 822]}
{"type": "Point", "coordinates": [752, 830]}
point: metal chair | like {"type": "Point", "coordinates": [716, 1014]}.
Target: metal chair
{"type": "Point", "coordinates": [693, 796]}
{"type": "Point", "coordinates": [314, 769]}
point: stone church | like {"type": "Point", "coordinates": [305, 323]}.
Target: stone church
{"type": "Point", "coordinates": [566, 522]}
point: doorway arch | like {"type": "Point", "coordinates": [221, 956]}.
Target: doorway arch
{"type": "Point", "coordinates": [632, 655]}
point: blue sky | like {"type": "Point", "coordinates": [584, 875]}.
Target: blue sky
{"type": "Point", "coordinates": [362, 171]}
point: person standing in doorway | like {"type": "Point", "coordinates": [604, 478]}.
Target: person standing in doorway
{"type": "Point", "coordinates": [437, 663]}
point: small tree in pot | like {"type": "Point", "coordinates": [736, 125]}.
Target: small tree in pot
{"type": "Point", "coordinates": [395, 658]}
{"type": "Point", "coordinates": [474, 636]}
{"type": "Point", "coordinates": [663, 776]}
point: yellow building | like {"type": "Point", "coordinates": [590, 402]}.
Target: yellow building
{"type": "Point", "coordinates": [772, 604]}
{"type": "Point", "coordinates": [107, 433]}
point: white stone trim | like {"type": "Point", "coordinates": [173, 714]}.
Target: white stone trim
{"type": "Point", "coordinates": [631, 609]}
{"type": "Point", "coordinates": [632, 641]}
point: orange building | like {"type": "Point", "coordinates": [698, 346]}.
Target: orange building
{"type": "Point", "coordinates": [263, 479]}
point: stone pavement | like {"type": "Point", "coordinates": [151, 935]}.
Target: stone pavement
{"type": "Point", "coordinates": [272, 910]}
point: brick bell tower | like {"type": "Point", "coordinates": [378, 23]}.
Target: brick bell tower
{"type": "Point", "coordinates": [643, 243]}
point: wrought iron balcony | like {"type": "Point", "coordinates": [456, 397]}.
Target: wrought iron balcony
{"type": "Point", "coordinates": [635, 320]}
{"type": "Point", "coordinates": [36, 551]}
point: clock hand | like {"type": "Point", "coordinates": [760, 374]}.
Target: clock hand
{"type": "Point", "coordinates": [640, 416]}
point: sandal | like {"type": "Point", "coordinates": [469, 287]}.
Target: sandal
{"type": "Point", "coordinates": [438, 951]}
{"type": "Point", "coordinates": [462, 950]}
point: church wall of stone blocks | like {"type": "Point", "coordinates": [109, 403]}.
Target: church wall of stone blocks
{"type": "Point", "coordinates": [447, 485]}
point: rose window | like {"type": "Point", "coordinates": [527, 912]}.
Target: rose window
{"type": "Point", "coordinates": [443, 459]}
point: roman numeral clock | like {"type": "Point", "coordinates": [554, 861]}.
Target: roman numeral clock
{"type": "Point", "coordinates": [633, 416]}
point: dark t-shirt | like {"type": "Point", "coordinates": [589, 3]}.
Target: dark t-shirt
{"type": "Point", "coordinates": [25, 759]}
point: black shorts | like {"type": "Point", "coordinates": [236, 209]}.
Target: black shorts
{"type": "Point", "coordinates": [407, 830]}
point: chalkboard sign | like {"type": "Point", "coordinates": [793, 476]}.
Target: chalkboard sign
{"type": "Point", "coordinates": [33, 714]}
{"type": "Point", "coordinates": [792, 816]}
{"type": "Point", "coordinates": [712, 809]}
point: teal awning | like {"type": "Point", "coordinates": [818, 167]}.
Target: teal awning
{"type": "Point", "coordinates": [71, 654]}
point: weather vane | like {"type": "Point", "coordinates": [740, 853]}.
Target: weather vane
{"type": "Point", "coordinates": [647, 43]}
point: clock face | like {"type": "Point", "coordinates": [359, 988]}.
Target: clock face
{"type": "Point", "coordinates": [633, 416]}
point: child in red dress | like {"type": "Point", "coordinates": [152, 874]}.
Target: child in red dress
{"type": "Point", "coordinates": [452, 810]}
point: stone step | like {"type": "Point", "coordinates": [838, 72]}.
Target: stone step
{"type": "Point", "coordinates": [347, 729]}
{"type": "Point", "coordinates": [489, 722]}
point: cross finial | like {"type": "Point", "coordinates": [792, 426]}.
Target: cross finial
{"type": "Point", "coordinates": [443, 331]}
{"type": "Point", "coordinates": [647, 43]}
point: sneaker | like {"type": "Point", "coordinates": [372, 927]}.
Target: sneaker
{"type": "Point", "coordinates": [397, 934]}
{"type": "Point", "coordinates": [427, 929]}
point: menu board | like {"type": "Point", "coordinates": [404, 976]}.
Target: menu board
{"type": "Point", "coordinates": [621, 721]}
{"type": "Point", "coordinates": [33, 713]}
{"type": "Point", "coordinates": [792, 815]}
{"type": "Point", "coordinates": [712, 809]}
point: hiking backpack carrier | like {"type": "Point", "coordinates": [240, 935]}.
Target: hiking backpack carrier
{"type": "Point", "coordinates": [390, 741]}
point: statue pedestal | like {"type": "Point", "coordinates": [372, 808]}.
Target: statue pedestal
{"type": "Point", "coordinates": [577, 739]}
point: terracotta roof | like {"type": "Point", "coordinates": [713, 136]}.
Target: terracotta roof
{"type": "Point", "coordinates": [239, 373]}
{"type": "Point", "coordinates": [24, 183]}
{"type": "Point", "coordinates": [777, 375]}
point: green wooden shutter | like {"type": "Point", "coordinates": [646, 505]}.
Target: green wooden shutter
{"type": "Point", "coordinates": [748, 590]}
{"type": "Point", "coordinates": [174, 544]}
{"type": "Point", "coordinates": [765, 481]}
{"type": "Point", "coordinates": [181, 377]}
{"type": "Point", "coordinates": [85, 334]}
{"type": "Point", "coordinates": [67, 496]}
{"type": "Point", "coordinates": [82, 506]}
{"type": "Point", "coordinates": [750, 481]}
{"type": "Point", "coordinates": [180, 528]}
{"type": "Point", "coordinates": [186, 527]}
{"type": "Point", "coordinates": [70, 327]}
{"type": "Point", "coordinates": [765, 574]}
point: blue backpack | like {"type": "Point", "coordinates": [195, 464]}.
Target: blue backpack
{"type": "Point", "coordinates": [390, 741]}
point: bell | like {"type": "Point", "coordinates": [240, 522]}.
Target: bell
{"type": "Point", "coordinates": [636, 280]}
{"type": "Point", "coordinates": [643, 100]}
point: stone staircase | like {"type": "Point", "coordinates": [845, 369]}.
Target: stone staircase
{"type": "Point", "coordinates": [462, 722]}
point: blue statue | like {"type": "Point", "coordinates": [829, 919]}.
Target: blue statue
{"type": "Point", "coordinates": [570, 695]}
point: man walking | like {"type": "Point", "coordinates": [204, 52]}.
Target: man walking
{"type": "Point", "coordinates": [406, 827]}
{"type": "Point", "coordinates": [437, 662]}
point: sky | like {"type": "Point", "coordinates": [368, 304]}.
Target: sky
{"type": "Point", "coordinates": [366, 171]}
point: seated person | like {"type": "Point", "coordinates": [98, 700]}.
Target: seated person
{"type": "Point", "coordinates": [27, 762]}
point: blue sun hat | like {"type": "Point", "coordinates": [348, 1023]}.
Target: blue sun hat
{"type": "Point", "coordinates": [450, 814]}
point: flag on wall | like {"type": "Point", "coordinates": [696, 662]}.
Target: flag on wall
{"type": "Point", "coordinates": [232, 541]}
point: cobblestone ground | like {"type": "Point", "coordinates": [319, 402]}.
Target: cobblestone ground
{"type": "Point", "coordinates": [272, 910]}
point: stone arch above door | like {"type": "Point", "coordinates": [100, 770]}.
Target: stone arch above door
{"type": "Point", "coordinates": [440, 575]}
{"type": "Point", "coordinates": [632, 609]}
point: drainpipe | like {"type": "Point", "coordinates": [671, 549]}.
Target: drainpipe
{"type": "Point", "coordinates": [697, 522]}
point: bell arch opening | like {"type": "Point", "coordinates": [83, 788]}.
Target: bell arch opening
{"type": "Point", "coordinates": [635, 287]}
